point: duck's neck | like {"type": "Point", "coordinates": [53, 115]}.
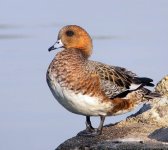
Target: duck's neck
{"type": "Point", "coordinates": [73, 56]}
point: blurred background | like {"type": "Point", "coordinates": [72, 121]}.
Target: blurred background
{"type": "Point", "coordinates": [132, 34]}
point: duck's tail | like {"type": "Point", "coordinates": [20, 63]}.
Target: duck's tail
{"type": "Point", "coordinates": [149, 94]}
{"type": "Point", "coordinates": [143, 81]}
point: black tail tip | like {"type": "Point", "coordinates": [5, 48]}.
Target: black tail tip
{"type": "Point", "coordinates": [145, 81]}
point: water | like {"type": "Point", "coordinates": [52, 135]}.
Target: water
{"type": "Point", "coordinates": [132, 34]}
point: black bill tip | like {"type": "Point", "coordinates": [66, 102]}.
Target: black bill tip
{"type": "Point", "coordinates": [51, 48]}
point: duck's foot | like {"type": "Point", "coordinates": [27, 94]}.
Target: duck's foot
{"type": "Point", "coordinates": [90, 133]}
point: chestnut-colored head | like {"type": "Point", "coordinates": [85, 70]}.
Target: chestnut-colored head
{"type": "Point", "coordinates": [75, 37]}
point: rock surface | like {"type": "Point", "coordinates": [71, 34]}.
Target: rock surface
{"type": "Point", "coordinates": [147, 129]}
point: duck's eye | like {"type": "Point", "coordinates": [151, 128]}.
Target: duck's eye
{"type": "Point", "coordinates": [69, 33]}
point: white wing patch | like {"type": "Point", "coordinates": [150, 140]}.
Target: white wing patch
{"type": "Point", "coordinates": [134, 86]}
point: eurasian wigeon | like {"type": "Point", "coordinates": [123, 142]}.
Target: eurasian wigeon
{"type": "Point", "coordinates": [91, 88]}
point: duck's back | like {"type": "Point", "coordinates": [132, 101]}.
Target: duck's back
{"type": "Point", "coordinates": [117, 80]}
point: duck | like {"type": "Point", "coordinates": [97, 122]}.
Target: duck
{"type": "Point", "coordinates": [91, 88]}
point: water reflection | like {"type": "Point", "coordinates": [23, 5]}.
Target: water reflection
{"type": "Point", "coordinates": [9, 26]}
{"type": "Point", "coordinates": [12, 36]}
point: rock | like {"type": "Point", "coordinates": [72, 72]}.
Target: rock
{"type": "Point", "coordinates": [147, 129]}
{"type": "Point", "coordinates": [162, 86]}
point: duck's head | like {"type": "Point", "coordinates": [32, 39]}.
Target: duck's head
{"type": "Point", "coordinates": [74, 37]}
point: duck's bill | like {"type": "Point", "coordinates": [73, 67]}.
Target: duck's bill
{"type": "Point", "coordinates": [57, 45]}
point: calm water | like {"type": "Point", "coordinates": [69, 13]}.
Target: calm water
{"type": "Point", "coordinates": [132, 34]}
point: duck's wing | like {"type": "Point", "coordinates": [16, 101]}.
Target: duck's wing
{"type": "Point", "coordinates": [118, 81]}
